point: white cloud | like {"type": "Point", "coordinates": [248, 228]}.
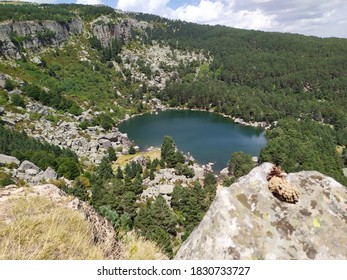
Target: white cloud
{"type": "Point", "coordinates": [205, 12]}
{"type": "Point", "coordinates": [310, 17]}
{"type": "Point", "coordinates": [147, 6]}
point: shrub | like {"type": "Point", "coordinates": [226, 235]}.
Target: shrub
{"type": "Point", "coordinates": [17, 100]}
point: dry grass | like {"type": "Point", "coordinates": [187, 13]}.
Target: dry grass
{"type": "Point", "coordinates": [123, 160]}
{"type": "Point", "coordinates": [33, 228]}
{"type": "Point", "coordinates": [340, 149]}
{"type": "Point", "coordinates": [138, 248]}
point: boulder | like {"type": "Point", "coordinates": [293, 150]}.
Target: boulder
{"type": "Point", "coordinates": [224, 172]}
{"type": "Point", "coordinates": [49, 174]}
{"type": "Point", "coordinates": [140, 159]}
{"type": "Point", "coordinates": [31, 172]}
{"type": "Point", "coordinates": [113, 136]}
{"type": "Point", "coordinates": [165, 189]}
{"type": "Point", "coordinates": [105, 143]}
{"type": "Point", "coordinates": [255, 159]}
{"type": "Point", "coordinates": [199, 171]}
{"type": "Point", "coordinates": [4, 159]}
{"type": "Point", "coordinates": [25, 165]}
{"type": "Point", "coordinates": [246, 221]}
{"type": "Point", "coordinates": [150, 192]}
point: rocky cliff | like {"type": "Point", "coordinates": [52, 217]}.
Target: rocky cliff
{"type": "Point", "coordinates": [246, 221]}
{"type": "Point", "coordinates": [33, 35]}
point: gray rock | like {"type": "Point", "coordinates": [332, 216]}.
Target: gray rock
{"type": "Point", "coordinates": [4, 159]}
{"type": "Point", "coordinates": [2, 111]}
{"type": "Point", "coordinates": [30, 29]}
{"type": "Point", "coordinates": [113, 137]}
{"type": "Point", "coordinates": [166, 189]}
{"type": "Point", "coordinates": [224, 172]}
{"type": "Point", "coordinates": [140, 159]}
{"type": "Point", "coordinates": [150, 192]}
{"type": "Point", "coordinates": [199, 171]}
{"type": "Point", "coordinates": [31, 172]}
{"type": "Point", "coordinates": [25, 165]}
{"type": "Point", "coordinates": [49, 174]}
{"type": "Point", "coordinates": [92, 128]}
{"type": "Point", "coordinates": [105, 143]}
{"type": "Point", "coordinates": [245, 221]}
{"type": "Point", "coordinates": [344, 170]}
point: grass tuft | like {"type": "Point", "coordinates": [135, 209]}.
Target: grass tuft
{"type": "Point", "coordinates": [138, 248]}
{"type": "Point", "coordinates": [33, 228]}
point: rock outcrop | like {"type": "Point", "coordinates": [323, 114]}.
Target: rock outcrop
{"type": "Point", "coordinates": [246, 221]}
{"type": "Point", "coordinates": [34, 35]}
{"type": "Point", "coordinates": [105, 30]}
{"type": "Point", "coordinates": [4, 159]}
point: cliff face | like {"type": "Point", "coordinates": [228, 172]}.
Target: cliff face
{"type": "Point", "coordinates": [33, 35]}
{"type": "Point", "coordinates": [247, 222]}
{"type": "Point", "coordinates": [106, 31]}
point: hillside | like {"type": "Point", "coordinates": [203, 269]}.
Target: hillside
{"type": "Point", "coordinates": [42, 222]}
{"type": "Point", "coordinates": [70, 73]}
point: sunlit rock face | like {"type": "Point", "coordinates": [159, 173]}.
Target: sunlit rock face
{"type": "Point", "coordinates": [246, 221]}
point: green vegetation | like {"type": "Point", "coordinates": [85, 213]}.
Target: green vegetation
{"type": "Point", "coordinates": [262, 76]}
{"type": "Point", "coordinates": [169, 155]}
{"type": "Point", "coordinates": [17, 100]}
{"type": "Point", "coordinates": [23, 147]}
{"type": "Point", "coordinates": [114, 195]}
{"type": "Point", "coordinates": [240, 164]}
{"type": "Point", "coordinates": [304, 145]}
{"type": "Point", "coordinates": [61, 12]}
{"type": "Point", "coordinates": [190, 204]}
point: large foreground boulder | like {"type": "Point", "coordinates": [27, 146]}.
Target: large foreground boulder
{"type": "Point", "coordinates": [4, 159]}
{"type": "Point", "coordinates": [246, 221]}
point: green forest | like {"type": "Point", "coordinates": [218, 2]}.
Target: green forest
{"type": "Point", "coordinates": [264, 76]}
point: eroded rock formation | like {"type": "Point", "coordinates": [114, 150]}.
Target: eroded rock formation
{"type": "Point", "coordinates": [246, 221]}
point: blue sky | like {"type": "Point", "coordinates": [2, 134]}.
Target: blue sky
{"type": "Point", "coordinates": [323, 18]}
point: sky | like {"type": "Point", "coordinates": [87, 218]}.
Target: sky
{"type": "Point", "coordinates": [322, 18]}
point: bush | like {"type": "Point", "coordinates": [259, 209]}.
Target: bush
{"type": "Point", "coordinates": [17, 100]}
{"type": "Point", "coordinates": [5, 180]}
{"type": "Point", "coordinates": [132, 150]}
{"type": "Point", "coordinates": [9, 85]}
{"type": "Point", "coordinates": [240, 164]}
{"type": "Point", "coordinates": [111, 154]}
{"type": "Point", "coordinates": [68, 168]}
{"type": "Point", "coordinates": [104, 120]}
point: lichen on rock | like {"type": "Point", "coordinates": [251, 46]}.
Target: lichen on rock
{"type": "Point", "coordinates": [246, 221]}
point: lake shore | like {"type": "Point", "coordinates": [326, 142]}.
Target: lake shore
{"type": "Point", "coordinates": [163, 107]}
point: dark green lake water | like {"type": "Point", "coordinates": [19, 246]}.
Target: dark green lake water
{"type": "Point", "coordinates": [207, 136]}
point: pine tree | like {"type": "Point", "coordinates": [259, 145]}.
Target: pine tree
{"type": "Point", "coordinates": [112, 154]}
{"type": "Point", "coordinates": [104, 171]}
{"type": "Point", "coordinates": [119, 173]}
{"type": "Point", "coordinates": [167, 148]}
{"type": "Point", "coordinates": [137, 184]}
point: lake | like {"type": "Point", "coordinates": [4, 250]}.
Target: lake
{"type": "Point", "coordinates": [208, 137]}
